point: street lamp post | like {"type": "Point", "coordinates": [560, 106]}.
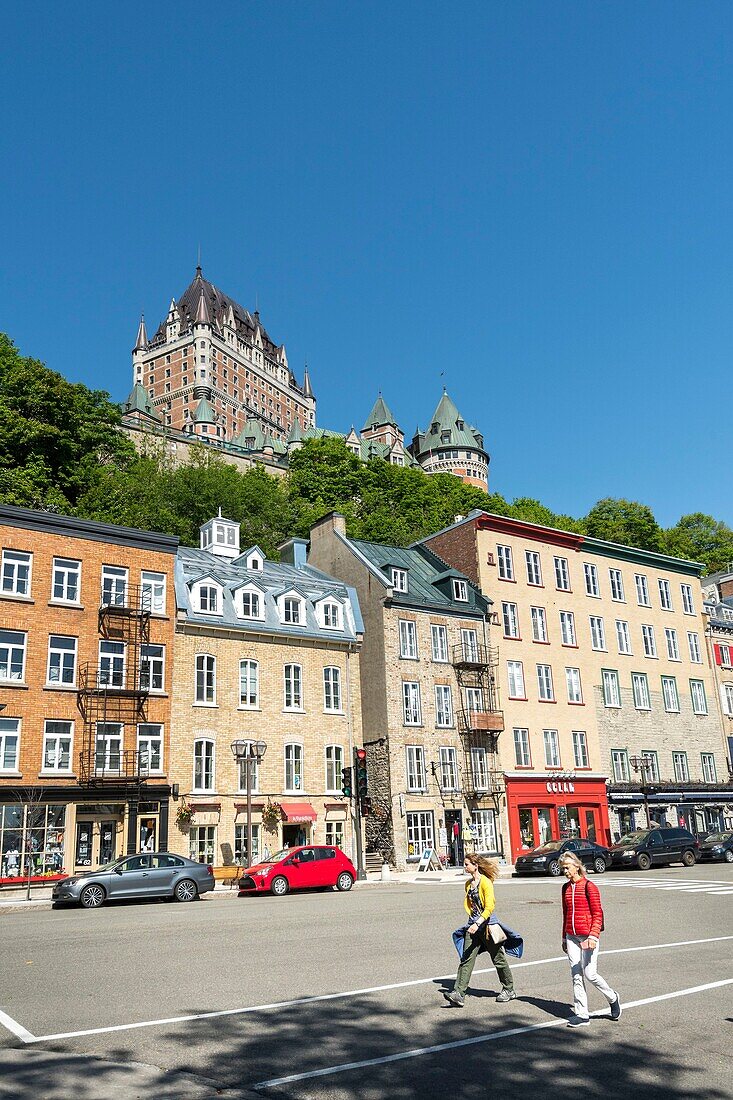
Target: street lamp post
{"type": "Point", "coordinates": [248, 753]}
{"type": "Point", "coordinates": [640, 765]}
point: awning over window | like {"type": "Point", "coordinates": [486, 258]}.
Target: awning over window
{"type": "Point", "coordinates": [298, 811]}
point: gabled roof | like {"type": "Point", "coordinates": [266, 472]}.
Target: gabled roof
{"type": "Point", "coordinates": [379, 416]}
{"type": "Point", "coordinates": [139, 402]}
{"type": "Point", "coordinates": [447, 428]}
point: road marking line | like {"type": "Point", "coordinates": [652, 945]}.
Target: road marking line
{"type": "Point", "coordinates": [17, 1029]}
{"type": "Point", "coordinates": [350, 993]}
{"type": "Point", "coordinates": [440, 1047]}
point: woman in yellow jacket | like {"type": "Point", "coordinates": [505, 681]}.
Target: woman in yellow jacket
{"type": "Point", "coordinates": [479, 904]}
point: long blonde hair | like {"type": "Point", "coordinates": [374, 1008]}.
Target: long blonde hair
{"type": "Point", "coordinates": [488, 867]}
{"type": "Point", "coordinates": [568, 857]}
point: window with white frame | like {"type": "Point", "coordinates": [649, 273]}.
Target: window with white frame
{"type": "Point", "coordinates": [617, 585]}
{"type": "Point", "coordinates": [293, 687]}
{"type": "Point", "coordinates": [597, 632]}
{"type": "Point", "coordinates": [534, 569]}
{"type": "Point", "coordinates": [669, 694]}
{"type": "Point", "coordinates": [249, 684]}
{"type": "Point", "coordinates": [203, 764]}
{"type": "Point", "coordinates": [66, 580]}
{"type": "Point", "coordinates": [505, 563]}
{"type": "Point", "coordinates": [510, 620]}
{"type": "Point", "coordinates": [152, 667]}
{"type": "Point", "coordinates": [642, 590]}
{"type": "Point", "coordinates": [443, 705]}
{"type": "Point", "coordinates": [580, 749]}
{"type": "Point", "coordinates": [611, 690]}
{"type": "Point", "coordinates": [416, 775]}
{"type": "Point", "coordinates": [202, 843]}
{"type": "Point", "coordinates": [522, 757]}
{"type": "Point", "coordinates": [411, 709]}
{"type": "Point", "coordinates": [9, 741]}
{"type": "Point", "coordinates": [420, 831]}
{"type": "Point", "coordinates": [673, 649]}
{"type": "Point", "coordinates": [153, 587]}
{"type": "Point", "coordinates": [460, 591]}
{"type": "Point", "coordinates": [293, 611]}
{"type": "Point", "coordinates": [250, 601]}
{"type": "Point", "coordinates": [640, 689]}
{"type": "Point", "coordinates": [725, 656]}
{"type": "Point", "coordinates": [562, 574]}
{"type": "Point", "coordinates": [650, 642]}
{"type": "Point", "coordinates": [205, 686]}
{"type": "Point", "coordinates": [665, 595]}
{"type": "Point", "coordinates": [567, 628]}
{"type": "Point", "coordinates": [240, 844]}
{"type": "Point", "coordinates": [12, 655]}
{"type": "Point", "coordinates": [699, 699]}
{"type": "Point", "coordinates": [439, 643]}
{"type": "Point", "coordinates": [688, 603]}
{"type": "Point", "coordinates": [334, 767]}
{"type": "Point", "coordinates": [485, 825]}
{"type": "Point", "coordinates": [293, 767]}
{"type": "Point", "coordinates": [108, 747]}
{"type": "Point", "coordinates": [572, 680]}
{"type": "Point", "coordinates": [474, 697]}
{"type": "Point", "coordinates": [539, 624]}
{"type": "Point", "coordinates": [208, 599]}
{"type": "Point", "coordinates": [479, 769]}
{"type": "Point", "coordinates": [61, 669]}
{"type": "Point", "coordinates": [335, 833]}
{"type": "Point", "coordinates": [552, 748]}
{"type": "Point", "coordinates": [544, 684]}
{"type": "Point", "coordinates": [399, 580]}
{"type": "Point", "coordinates": [681, 770]}
{"type": "Point", "coordinates": [408, 639]}
{"type": "Point", "coordinates": [623, 637]}
{"type": "Point", "coordinates": [590, 572]}
{"type": "Point", "coordinates": [469, 645]}
{"type": "Point", "coordinates": [332, 689]}
{"type": "Point", "coordinates": [150, 746]}
{"type": "Point", "coordinates": [111, 664]}
{"type": "Point", "coordinates": [620, 765]}
{"type": "Point", "coordinates": [515, 673]}
{"type": "Point", "coordinates": [114, 586]}
{"type": "Point", "coordinates": [448, 768]}
{"type": "Point", "coordinates": [330, 615]}
{"type": "Point", "coordinates": [58, 738]}
{"type": "Point", "coordinates": [15, 573]}
{"type": "Point", "coordinates": [693, 643]}
{"type": "Point", "coordinates": [726, 698]}
{"type": "Point", "coordinates": [709, 774]}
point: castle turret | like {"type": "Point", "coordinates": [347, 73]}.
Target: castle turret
{"type": "Point", "coordinates": [452, 446]}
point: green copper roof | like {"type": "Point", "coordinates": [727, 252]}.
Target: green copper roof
{"type": "Point", "coordinates": [139, 401]}
{"type": "Point", "coordinates": [447, 428]}
{"type": "Point", "coordinates": [204, 413]}
{"type": "Point", "coordinates": [379, 416]}
{"type": "Point", "coordinates": [296, 434]}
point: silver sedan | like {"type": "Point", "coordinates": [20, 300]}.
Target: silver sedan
{"type": "Point", "coordinates": [147, 875]}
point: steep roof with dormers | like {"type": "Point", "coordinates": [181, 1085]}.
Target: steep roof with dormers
{"type": "Point", "coordinates": [447, 429]}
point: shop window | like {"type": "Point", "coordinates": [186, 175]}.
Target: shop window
{"type": "Point", "coordinates": [202, 843]}
{"type": "Point", "coordinates": [484, 822]}
{"type": "Point", "coordinates": [335, 833]}
{"type": "Point", "coordinates": [526, 827]}
{"type": "Point", "coordinates": [420, 832]}
{"type": "Point", "coordinates": [241, 854]}
{"type": "Point", "coordinates": [31, 839]}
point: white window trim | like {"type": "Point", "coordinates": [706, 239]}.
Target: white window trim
{"type": "Point", "coordinates": [302, 615]}
{"type": "Point", "coordinates": [59, 685]}
{"type": "Point", "coordinates": [203, 702]}
{"type": "Point", "coordinates": [290, 743]}
{"type": "Point", "coordinates": [460, 591]}
{"type": "Point", "coordinates": [204, 583]}
{"type": "Point", "coordinates": [56, 736]}
{"type": "Point", "coordinates": [337, 769]}
{"type": "Point", "coordinates": [300, 709]}
{"type": "Point", "coordinates": [249, 706]}
{"type": "Point", "coordinates": [340, 708]}
{"type": "Point", "coordinates": [13, 594]}
{"type": "Point", "coordinates": [161, 727]}
{"type": "Point", "coordinates": [60, 599]}
{"type": "Point", "coordinates": [249, 590]}
{"type": "Point", "coordinates": [204, 790]}
{"type": "Point", "coordinates": [144, 583]}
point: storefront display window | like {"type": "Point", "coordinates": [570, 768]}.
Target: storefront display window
{"type": "Point", "coordinates": [202, 839]}
{"type": "Point", "coordinates": [420, 833]}
{"type": "Point", "coordinates": [544, 825]}
{"type": "Point", "coordinates": [526, 828]}
{"type": "Point", "coordinates": [335, 833]}
{"type": "Point", "coordinates": [240, 844]}
{"type": "Point", "coordinates": [485, 824]}
{"type": "Point", "coordinates": [31, 839]}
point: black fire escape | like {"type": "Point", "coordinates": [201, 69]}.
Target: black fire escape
{"type": "Point", "coordinates": [480, 721]}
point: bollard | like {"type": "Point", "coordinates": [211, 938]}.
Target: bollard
{"type": "Point", "coordinates": [385, 872]}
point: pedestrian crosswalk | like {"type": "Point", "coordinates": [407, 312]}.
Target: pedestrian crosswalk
{"type": "Point", "coordinates": [696, 886]}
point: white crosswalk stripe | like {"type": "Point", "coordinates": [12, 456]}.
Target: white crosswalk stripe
{"type": "Point", "coordinates": [714, 886]}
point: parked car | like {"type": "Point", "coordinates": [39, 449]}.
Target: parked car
{"type": "Point", "coordinates": [303, 868]}
{"type": "Point", "coordinates": [645, 847]}
{"type": "Point", "coordinates": [545, 860]}
{"type": "Point", "coordinates": [717, 846]}
{"type": "Point", "coordinates": [147, 875]}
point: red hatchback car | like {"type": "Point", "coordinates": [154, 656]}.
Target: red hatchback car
{"type": "Point", "coordinates": [304, 868]}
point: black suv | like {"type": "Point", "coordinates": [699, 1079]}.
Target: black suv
{"type": "Point", "coordinates": [644, 847]}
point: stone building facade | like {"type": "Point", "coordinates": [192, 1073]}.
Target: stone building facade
{"type": "Point", "coordinates": [430, 708]}
{"type": "Point", "coordinates": [264, 651]}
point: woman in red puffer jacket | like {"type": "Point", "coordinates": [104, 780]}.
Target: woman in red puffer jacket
{"type": "Point", "coordinates": [582, 923]}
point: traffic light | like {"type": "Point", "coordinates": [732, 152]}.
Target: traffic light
{"type": "Point", "coordinates": [362, 784]}
{"type": "Point", "coordinates": [366, 806]}
{"type": "Point", "coordinates": [347, 786]}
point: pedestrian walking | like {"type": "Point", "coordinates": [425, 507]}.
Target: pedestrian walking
{"type": "Point", "coordinates": [582, 924]}
{"type": "Point", "coordinates": [479, 903]}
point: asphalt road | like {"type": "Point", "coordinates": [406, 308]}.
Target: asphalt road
{"type": "Point", "coordinates": [366, 970]}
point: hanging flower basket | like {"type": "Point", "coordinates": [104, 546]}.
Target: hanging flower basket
{"type": "Point", "coordinates": [184, 813]}
{"type": "Point", "coordinates": [271, 815]}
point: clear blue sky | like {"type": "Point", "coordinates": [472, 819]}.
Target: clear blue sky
{"type": "Point", "coordinates": [534, 198]}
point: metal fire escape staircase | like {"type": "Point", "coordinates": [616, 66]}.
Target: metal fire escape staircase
{"type": "Point", "coordinates": [481, 722]}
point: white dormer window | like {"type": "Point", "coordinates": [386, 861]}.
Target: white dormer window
{"type": "Point", "coordinates": [460, 591]}
{"type": "Point", "coordinates": [255, 563]}
{"type": "Point", "coordinates": [399, 580]}
{"type": "Point", "coordinates": [292, 610]}
{"type": "Point", "coordinates": [330, 615]}
{"type": "Point", "coordinates": [251, 604]}
{"type": "Point", "coordinates": [209, 599]}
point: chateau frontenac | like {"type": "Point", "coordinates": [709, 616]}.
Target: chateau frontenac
{"type": "Point", "coordinates": [212, 374]}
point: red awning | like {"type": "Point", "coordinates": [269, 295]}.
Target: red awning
{"type": "Point", "coordinates": [298, 811]}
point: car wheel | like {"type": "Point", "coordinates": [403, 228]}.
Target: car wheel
{"type": "Point", "coordinates": [186, 890]}
{"type": "Point", "coordinates": [599, 865]}
{"type": "Point", "coordinates": [729, 856]}
{"type": "Point", "coordinates": [280, 886]}
{"type": "Point", "coordinates": [554, 868]}
{"type": "Point", "coordinates": [688, 858]}
{"type": "Point", "coordinates": [92, 896]}
{"type": "Point", "coordinates": [344, 881]}
{"type": "Point", "coordinates": [644, 862]}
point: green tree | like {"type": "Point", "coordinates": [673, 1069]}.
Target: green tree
{"type": "Point", "coordinates": [626, 522]}
{"type": "Point", "coordinates": [701, 538]}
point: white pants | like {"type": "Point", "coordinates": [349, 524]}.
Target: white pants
{"type": "Point", "coordinates": [583, 966]}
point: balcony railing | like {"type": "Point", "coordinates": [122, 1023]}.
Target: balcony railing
{"type": "Point", "coordinates": [101, 679]}
{"type": "Point", "coordinates": [126, 599]}
{"type": "Point", "coordinates": [480, 721]}
{"type": "Point", "coordinates": [468, 655]}
{"type": "Point", "coordinates": [116, 766]}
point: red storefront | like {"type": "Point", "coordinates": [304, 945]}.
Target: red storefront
{"type": "Point", "coordinates": [551, 808]}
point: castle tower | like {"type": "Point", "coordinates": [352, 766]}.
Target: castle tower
{"type": "Point", "coordinates": [452, 446]}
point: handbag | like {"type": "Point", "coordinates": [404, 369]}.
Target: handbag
{"type": "Point", "coordinates": [494, 934]}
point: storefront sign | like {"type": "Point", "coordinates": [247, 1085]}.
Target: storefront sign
{"type": "Point", "coordinates": [558, 787]}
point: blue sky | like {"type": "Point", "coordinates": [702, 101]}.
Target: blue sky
{"type": "Point", "coordinates": [532, 200]}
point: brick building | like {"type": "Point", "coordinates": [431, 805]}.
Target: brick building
{"type": "Point", "coordinates": [264, 651]}
{"type": "Point", "coordinates": [85, 648]}
{"type": "Point", "coordinates": [608, 694]}
{"type": "Point", "coordinates": [430, 708]}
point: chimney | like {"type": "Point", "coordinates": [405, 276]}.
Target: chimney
{"type": "Point", "coordinates": [332, 522]}
{"type": "Point", "coordinates": [294, 552]}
